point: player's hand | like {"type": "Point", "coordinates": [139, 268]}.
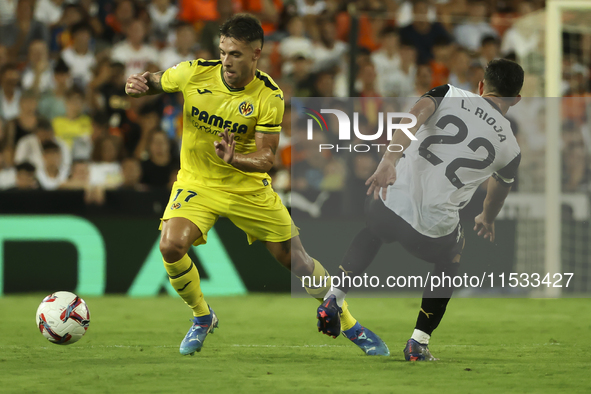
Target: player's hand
{"type": "Point", "coordinates": [384, 176]}
{"type": "Point", "coordinates": [485, 229]}
{"type": "Point", "coordinates": [137, 85]}
{"type": "Point", "coordinates": [225, 148]}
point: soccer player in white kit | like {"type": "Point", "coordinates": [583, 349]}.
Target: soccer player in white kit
{"type": "Point", "coordinates": [415, 195]}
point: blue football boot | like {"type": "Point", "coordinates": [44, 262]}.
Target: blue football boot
{"type": "Point", "coordinates": [415, 351]}
{"type": "Point", "coordinates": [194, 339]}
{"type": "Point", "coordinates": [367, 340]}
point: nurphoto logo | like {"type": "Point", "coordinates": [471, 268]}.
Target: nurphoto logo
{"type": "Point", "coordinates": [345, 128]}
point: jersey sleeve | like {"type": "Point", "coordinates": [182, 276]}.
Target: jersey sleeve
{"type": "Point", "coordinates": [507, 174]}
{"type": "Point", "coordinates": [437, 94]}
{"type": "Point", "coordinates": [175, 78]}
{"type": "Point", "coordinates": [271, 114]}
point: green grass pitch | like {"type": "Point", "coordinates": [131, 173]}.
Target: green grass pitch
{"type": "Point", "coordinates": [269, 343]}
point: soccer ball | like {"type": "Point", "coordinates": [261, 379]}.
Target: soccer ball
{"type": "Point", "coordinates": [63, 318]}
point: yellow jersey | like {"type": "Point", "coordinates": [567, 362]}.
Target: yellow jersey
{"type": "Point", "coordinates": [71, 129]}
{"type": "Point", "coordinates": [212, 106]}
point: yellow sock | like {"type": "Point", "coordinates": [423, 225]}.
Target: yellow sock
{"type": "Point", "coordinates": [318, 275]}
{"type": "Point", "coordinates": [184, 277]}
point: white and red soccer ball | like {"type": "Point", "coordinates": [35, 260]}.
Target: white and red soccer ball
{"type": "Point", "coordinates": [63, 318]}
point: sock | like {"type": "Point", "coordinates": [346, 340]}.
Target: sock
{"type": "Point", "coordinates": [321, 288]}
{"type": "Point", "coordinates": [363, 250]}
{"type": "Point", "coordinates": [184, 277]}
{"type": "Point", "coordinates": [435, 301]}
{"type": "Point", "coordinates": [339, 295]}
{"type": "Point", "coordinates": [421, 337]}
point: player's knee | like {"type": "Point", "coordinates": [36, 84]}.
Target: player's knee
{"type": "Point", "coordinates": [172, 250]}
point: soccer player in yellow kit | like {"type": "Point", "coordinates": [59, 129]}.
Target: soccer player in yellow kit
{"type": "Point", "coordinates": [231, 126]}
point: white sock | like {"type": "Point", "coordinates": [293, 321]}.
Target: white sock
{"type": "Point", "coordinates": [339, 294]}
{"type": "Point", "coordinates": [421, 337]}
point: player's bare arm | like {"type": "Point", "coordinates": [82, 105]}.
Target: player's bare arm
{"type": "Point", "coordinates": [496, 194]}
{"type": "Point", "coordinates": [146, 84]}
{"type": "Point", "coordinates": [260, 161]}
{"type": "Point", "coordinates": [385, 174]}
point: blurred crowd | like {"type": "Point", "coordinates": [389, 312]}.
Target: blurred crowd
{"type": "Point", "coordinates": [66, 123]}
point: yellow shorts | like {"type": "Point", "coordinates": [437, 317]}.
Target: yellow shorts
{"type": "Point", "coordinates": [261, 216]}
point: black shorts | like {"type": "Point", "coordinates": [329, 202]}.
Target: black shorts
{"type": "Point", "coordinates": [389, 227]}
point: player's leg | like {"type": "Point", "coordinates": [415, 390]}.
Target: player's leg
{"type": "Point", "coordinates": [445, 253]}
{"type": "Point", "coordinates": [186, 221]}
{"type": "Point", "coordinates": [264, 217]}
{"type": "Point", "coordinates": [178, 234]}
{"type": "Point", "coordinates": [292, 255]}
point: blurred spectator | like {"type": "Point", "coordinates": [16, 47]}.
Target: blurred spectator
{"type": "Point", "coordinates": [476, 75]}
{"type": "Point", "coordinates": [132, 175]}
{"type": "Point", "coordinates": [294, 45]}
{"type": "Point", "coordinates": [51, 175]}
{"type": "Point", "coordinates": [372, 20]}
{"type": "Point", "coordinates": [310, 7]}
{"type": "Point", "coordinates": [61, 34]}
{"type": "Point", "coordinates": [193, 11]}
{"type": "Point", "coordinates": [7, 10]}
{"type": "Point", "coordinates": [423, 80]}
{"type": "Point", "coordinates": [3, 56]}
{"type": "Point", "coordinates": [133, 52]}
{"type": "Point", "coordinates": [162, 15]}
{"type": "Point", "coordinates": [402, 80]}
{"type": "Point", "coordinates": [7, 172]}
{"type": "Point", "coordinates": [26, 122]}
{"type": "Point", "coordinates": [440, 64]}
{"type": "Point", "coordinates": [368, 76]}
{"type": "Point", "coordinates": [405, 14]}
{"type": "Point", "coordinates": [10, 94]}
{"type": "Point", "coordinates": [489, 50]}
{"type": "Point", "coordinates": [470, 33]}
{"type": "Point", "coordinates": [576, 173]}
{"type": "Point", "coordinates": [79, 176]}
{"type": "Point", "coordinates": [422, 33]}
{"type": "Point", "coordinates": [105, 170]}
{"type": "Point", "coordinates": [157, 168]}
{"type": "Point", "coordinates": [267, 11]}
{"type": "Point", "coordinates": [117, 22]}
{"type": "Point", "coordinates": [30, 148]}
{"type": "Point", "coordinates": [18, 34]}
{"type": "Point", "coordinates": [329, 51]}
{"type": "Point", "coordinates": [75, 124]}
{"type": "Point", "coordinates": [184, 47]}
{"type": "Point", "coordinates": [25, 178]}
{"type": "Point", "coordinates": [301, 77]}
{"type": "Point", "coordinates": [49, 12]}
{"type": "Point", "coordinates": [387, 59]}
{"type": "Point", "coordinates": [79, 56]}
{"type": "Point", "coordinates": [460, 70]}
{"type": "Point", "coordinates": [522, 42]}
{"type": "Point", "coordinates": [323, 84]}
{"type": "Point", "coordinates": [38, 75]}
{"type": "Point", "coordinates": [53, 103]}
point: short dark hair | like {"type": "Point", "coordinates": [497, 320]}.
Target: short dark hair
{"type": "Point", "coordinates": [75, 91]}
{"type": "Point", "coordinates": [50, 146]}
{"type": "Point", "coordinates": [504, 77]}
{"type": "Point", "coordinates": [61, 67]}
{"type": "Point", "coordinates": [243, 27]}
{"type": "Point", "coordinates": [489, 40]}
{"type": "Point", "coordinates": [25, 166]}
{"type": "Point", "coordinates": [7, 67]}
{"type": "Point", "coordinates": [389, 30]}
{"type": "Point", "coordinates": [44, 124]}
{"type": "Point", "coordinates": [81, 26]}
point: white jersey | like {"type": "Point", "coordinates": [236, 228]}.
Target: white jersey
{"type": "Point", "coordinates": [464, 142]}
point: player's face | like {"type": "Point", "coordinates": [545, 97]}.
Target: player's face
{"type": "Point", "coordinates": [238, 60]}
